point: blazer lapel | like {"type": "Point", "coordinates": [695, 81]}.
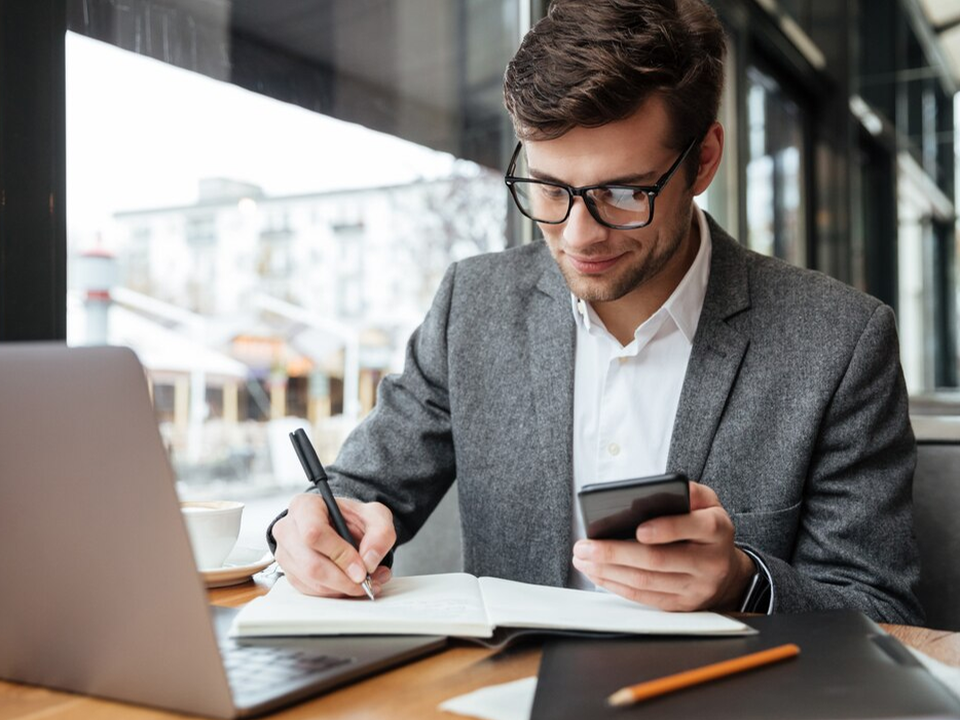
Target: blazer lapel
{"type": "Point", "coordinates": [715, 358]}
{"type": "Point", "coordinates": [551, 334]}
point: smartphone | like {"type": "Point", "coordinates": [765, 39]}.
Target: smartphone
{"type": "Point", "coordinates": [612, 511]}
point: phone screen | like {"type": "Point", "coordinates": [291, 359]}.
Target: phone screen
{"type": "Point", "coordinates": [612, 511]}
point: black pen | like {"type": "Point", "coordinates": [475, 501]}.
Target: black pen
{"type": "Point", "coordinates": [317, 475]}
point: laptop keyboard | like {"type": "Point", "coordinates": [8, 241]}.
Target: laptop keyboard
{"type": "Point", "coordinates": [254, 667]}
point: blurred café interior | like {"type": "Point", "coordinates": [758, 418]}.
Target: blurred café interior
{"type": "Point", "coordinates": [261, 197]}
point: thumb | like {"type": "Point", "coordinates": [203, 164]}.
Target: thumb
{"type": "Point", "coordinates": [702, 497]}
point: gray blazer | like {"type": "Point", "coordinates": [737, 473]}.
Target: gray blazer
{"type": "Point", "coordinates": [793, 410]}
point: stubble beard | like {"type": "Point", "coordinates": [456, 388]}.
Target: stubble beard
{"type": "Point", "coordinates": [601, 289]}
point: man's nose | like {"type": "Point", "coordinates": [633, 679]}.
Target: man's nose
{"type": "Point", "coordinates": [581, 228]}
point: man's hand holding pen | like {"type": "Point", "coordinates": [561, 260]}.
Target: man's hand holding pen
{"type": "Point", "coordinates": [317, 561]}
{"type": "Point", "coordinates": [325, 551]}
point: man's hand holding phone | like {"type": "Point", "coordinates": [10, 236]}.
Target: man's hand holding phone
{"type": "Point", "coordinates": [676, 562]}
{"type": "Point", "coordinates": [317, 561]}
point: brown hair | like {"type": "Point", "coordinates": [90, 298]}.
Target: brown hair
{"type": "Point", "coordinates": [592, 62]}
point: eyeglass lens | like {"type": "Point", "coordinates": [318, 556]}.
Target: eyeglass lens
{"type": "Point", "coordinates": [549, 203]}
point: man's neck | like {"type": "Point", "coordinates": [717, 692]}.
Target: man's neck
{"type": "Point", "coordinates": [622, 317]}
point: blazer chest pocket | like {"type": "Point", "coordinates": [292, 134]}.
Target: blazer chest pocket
{"type": "Point", "coordinates": [771, 531]}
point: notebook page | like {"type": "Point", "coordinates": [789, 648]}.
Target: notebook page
{"type": "Point", "coordinates": [516, 604]}
{"type": "Point", "coordinates": [448, 604]}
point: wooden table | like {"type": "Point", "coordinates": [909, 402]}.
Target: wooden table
{"type": "Point", "coordinates": [411, 691]}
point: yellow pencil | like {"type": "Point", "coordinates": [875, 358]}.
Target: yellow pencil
{"type": "Point", "coordinates": [661, 686]}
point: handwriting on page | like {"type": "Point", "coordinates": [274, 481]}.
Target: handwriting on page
{"type": "Point", "coordinates": [442, 609]}
{"type": "Point", "coordinates": [400, 600]}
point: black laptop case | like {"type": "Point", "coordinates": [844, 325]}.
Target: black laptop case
{"type": "Point", "coordinates": [848, 668]}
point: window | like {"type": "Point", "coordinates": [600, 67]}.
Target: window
{"type": "Point", "coordinates": [275, 195]}
{"type": "Point", "coordinates": [776, 192]}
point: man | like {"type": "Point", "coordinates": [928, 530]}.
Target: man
{"type": "Point", "coordinates": [637, 338]}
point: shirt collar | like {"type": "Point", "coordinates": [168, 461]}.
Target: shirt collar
{"type": "Point", "coordinates": [686, 300]}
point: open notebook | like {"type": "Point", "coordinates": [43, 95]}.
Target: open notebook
{"type": "Point", "coordinates": [461, 605]}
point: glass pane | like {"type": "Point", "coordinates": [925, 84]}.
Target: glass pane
{"type": "Point", "coordinates": [721, 199]}
{"type": "Point", "coordinates": [268, 258]}
{"type": "Point", "coordinates": [912, 311]}
{"type": "Point", "coordinates": [776, 202]}
{"type": "Point", "coordinates": [924, 219]}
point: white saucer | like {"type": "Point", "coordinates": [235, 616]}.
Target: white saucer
{"type": "Point", "coordinates": [239, 567]}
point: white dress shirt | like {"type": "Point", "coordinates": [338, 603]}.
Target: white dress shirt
{"type": "Point", "coordinates": [625, 397]}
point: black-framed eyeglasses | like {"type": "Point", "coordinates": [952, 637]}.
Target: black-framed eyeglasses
{"type": "Point", "coordinates": [620, 207]}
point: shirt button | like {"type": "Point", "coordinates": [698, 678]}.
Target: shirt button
{"type": "Point", "coordinates": [613, 449]}
{"type": "Point", "coordinates": [623, 360]}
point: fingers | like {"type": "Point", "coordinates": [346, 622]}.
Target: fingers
{"type": "Point", "coordinates": [702, 496]}
{"type": "Point", "coordinates": [666, 590]}
{"type": "Point", "coordinates": [683, 576]}
{"type": "Point", "coordinates": [308, 571]}
{"type": "Point", "coordinates": [318, 561]}
{"type": "Point", "coordinates": [641, 580]}
{"type": "Point", "coordinates": [377, 533]}
{"type": "Point", "coordinates": [627, 553]}
{"type": "Point", "coordinates": [314, 574]}
{"type": "Point", "coordinates": [317, 534]}
{"type": "Point", "coordinates": [307, 585]}
{"type": "Point", "coordinates": [661, 601]}
{"type": "Point", "coordinates": [706, 526]}
{"type": "Point", "coordinates": [680, 562]}
{"type": "Point", "coordinates": [707, 522]}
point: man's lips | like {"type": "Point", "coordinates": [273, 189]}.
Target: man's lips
{"type": "Point", "coordinates": [593, 266]}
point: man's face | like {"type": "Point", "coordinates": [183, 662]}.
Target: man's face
{"type": "Point", "coordinates": [601, 264]}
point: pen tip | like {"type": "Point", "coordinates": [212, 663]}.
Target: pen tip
{"type": "Point", "coordinates": [368, 588]}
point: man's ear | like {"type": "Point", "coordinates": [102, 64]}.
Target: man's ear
{"type": "Point", "coordinates": [711, 152]}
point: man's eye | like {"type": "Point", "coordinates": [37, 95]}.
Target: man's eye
{"type": "Point", "coordinates": [626, 198]}
{"type": "Point", "coordinates": [552, 193]}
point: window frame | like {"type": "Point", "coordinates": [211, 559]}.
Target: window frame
{"type": "Point", "coordinates": [33, 227]}
{"type": "Point", "coordinates": [33, 235]}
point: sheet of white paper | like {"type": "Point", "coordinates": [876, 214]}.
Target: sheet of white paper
{"type": "Point", "coordinates": [428, 604]}
{"type": "Point", "coordinates": [514, 604]}
{"type": "Point", "coordinates": [509, 701]}
{"type": "Point", "coordinates": [947, 674]}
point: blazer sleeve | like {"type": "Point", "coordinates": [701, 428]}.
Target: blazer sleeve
{"type": "Point", "coordinates": [855, 544]}
{"type": "Point", "coordinates": [402, 454]}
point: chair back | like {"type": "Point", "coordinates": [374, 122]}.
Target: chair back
{"type": "Point", "coordinates": [437, 547]}
{"type": "Point", "coordinates": [936, 498]}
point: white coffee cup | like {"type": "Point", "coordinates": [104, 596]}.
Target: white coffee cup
{"type": "Point", "coordinates": [213, 527]}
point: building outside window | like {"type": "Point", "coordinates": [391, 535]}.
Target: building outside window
{"type": "Point", "coordinates": [268, 254]}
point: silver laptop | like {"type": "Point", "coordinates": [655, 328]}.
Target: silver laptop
{"type": "Point", "coordinates": [99, 591]}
